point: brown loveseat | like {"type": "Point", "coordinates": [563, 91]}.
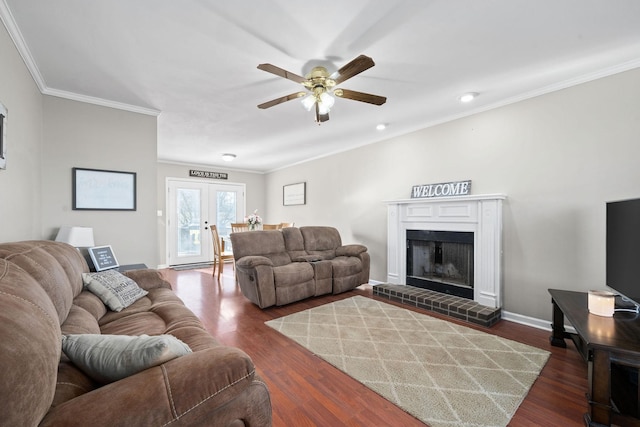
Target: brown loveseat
{"type": "Point", "coordinates": [277, 267]}
{"type": "Point", "coordinates": [42, 298]}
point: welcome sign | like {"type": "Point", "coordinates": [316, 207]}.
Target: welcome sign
{"type": "Point", "coordinates": [207, 174]}
{"type": "Point", "coordinates": [444, 189]}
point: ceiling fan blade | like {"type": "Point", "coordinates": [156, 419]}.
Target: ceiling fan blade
{"type": "Point", "coordinates": [277, 101]}
{"type": "Point", "coordinates": [355, 67]}
{"type": "Point", "coordinates": [321, 118]}
{"type": "Point", "coordinates": [281, 73]}
{"type": "Point", "coordinates": [360, 96]}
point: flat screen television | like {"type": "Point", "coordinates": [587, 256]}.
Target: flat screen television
{"type": "Point", "coordinates": [623, 249]}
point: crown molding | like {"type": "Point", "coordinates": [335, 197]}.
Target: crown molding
{"type": "Point", "coordinates": [100, 101]}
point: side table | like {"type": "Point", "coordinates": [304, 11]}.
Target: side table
{"type": "Point", "coordinates": [609, 345]}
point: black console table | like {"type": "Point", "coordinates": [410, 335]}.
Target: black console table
{"type": "Point", "coordinates": [611, 347]}
{"type": "Point", "coordinates": [128, 267]}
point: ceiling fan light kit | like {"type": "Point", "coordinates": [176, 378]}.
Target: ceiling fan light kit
{"type": "Point", "coordinates": [228, 157]}
{"type": "Point", "coordinates": [320, 86]}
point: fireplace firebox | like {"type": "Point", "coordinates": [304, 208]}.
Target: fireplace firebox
{"type": "Point", "coordinates": [441, 261]}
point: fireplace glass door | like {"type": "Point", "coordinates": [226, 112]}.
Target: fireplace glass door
{"type": "Point", "coordinates": [441, 261]}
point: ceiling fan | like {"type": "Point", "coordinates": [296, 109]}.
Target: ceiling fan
{"type": "Point", "coordinates": [321, 87]}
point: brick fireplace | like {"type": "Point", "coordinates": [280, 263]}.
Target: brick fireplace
{"type": "Point", "coordinates": [477, 215]}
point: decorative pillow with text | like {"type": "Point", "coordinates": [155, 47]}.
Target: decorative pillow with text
{"type": "Point", "coordinates": [116, 290]}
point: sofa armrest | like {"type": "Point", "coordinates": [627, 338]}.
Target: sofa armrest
{"type": "Point", "coordinates": [253, 261]}
{"type": "Point", "coordinates": [191, 390]}
{"type": "Point", "coordinates": [350, 250]}
{"type": "Point", "coordinates": [148, 278]}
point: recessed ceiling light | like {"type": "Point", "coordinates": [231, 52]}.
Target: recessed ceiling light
{"type": "Point", "coordinates": [468, 97]}
{"type": "Point", "coordinates": [228, 157]}
{"type": "Point", "coordinates": [381, 126]}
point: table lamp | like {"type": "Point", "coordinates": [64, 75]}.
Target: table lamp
{"type": "Point", "coordinates": [602, 303]}
{"type": "Point", "coordinates": [80, 237]}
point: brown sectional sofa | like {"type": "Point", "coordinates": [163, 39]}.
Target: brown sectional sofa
{"type": "Point", "coordinates": [42, 298]}
{"type": "Point", "coordinates": [277, 267]}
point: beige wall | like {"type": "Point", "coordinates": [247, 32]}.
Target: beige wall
{"type": "Point", "coordinates": [557, 157]}
{"type": "Point", "coordinates": [77, 134]}
{"type": "Point", "coordinates": [20, 183]}
{"type": "Point", "coordinates": [255, 197]}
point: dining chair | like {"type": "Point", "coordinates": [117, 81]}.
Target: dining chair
{"type": "Point", "coordinates": [287, 224]}
{"type": "Point", "coordinates": [219, 256]}
{"type": "Point", "coordinates": [239, 226]}
{"type": "Point", "coordinates": [271, 226]}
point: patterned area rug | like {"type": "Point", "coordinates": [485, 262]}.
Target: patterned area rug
{"type": "Point", "coordinates": [442, 373]}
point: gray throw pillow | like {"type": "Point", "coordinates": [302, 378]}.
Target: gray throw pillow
{"type": "Point", "coordinates": [116, 290]}
{"type": "Point", "coordinates": [108, 358]}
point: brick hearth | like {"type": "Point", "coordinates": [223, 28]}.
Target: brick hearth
{"type": "Point", "coordinates": [460, 308]}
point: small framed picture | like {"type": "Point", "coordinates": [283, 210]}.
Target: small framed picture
{"type": "Point", "coordinates": [103, 258]}
{"type": "Point", "coordinates": [294, 194]}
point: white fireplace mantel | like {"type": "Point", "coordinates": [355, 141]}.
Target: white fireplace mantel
{"type": "Point", "coordinates": [480, 214]}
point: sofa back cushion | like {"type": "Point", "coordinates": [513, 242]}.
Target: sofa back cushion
{"type": "Point", "coordinates": [30, 346]}
{"type": "Point", "coordinates": [294, 242]}
{"type": "Point", "coordinates": [56, 267]}
{"type": "Point", "coordinates": [321, 241]}
{"type": "Point", "coordinates": [266, 243]}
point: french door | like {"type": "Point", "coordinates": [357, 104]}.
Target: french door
{"type": "Point", "coordinates": [192, 206]}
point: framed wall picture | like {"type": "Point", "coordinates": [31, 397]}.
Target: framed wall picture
{"type": "Point", "coordinates": [103, 258]}
{"type": "Point", "coordinates": [104, 190]}
{"type": "Point", "coordinates": [294, 194]}
{"type": "Point", "coordinates": [3, 136]}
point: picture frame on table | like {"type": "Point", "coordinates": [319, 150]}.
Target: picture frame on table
{"type": "Point", "coordinates": [103, 258]}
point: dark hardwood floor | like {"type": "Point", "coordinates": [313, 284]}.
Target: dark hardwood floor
{"type": "Point", "coordinates": [306, 391]}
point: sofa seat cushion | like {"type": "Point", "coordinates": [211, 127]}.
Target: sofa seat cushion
{"type": "Point", "coordinates": [292, 274]}
{"type": "Point", "coordinates": [346, 266]}
{"type": "Point", "coordinates": [71, 382]}
{"type": "Point", "coordinates": [159, 312]}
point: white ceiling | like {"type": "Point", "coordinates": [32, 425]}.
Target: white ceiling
{"type": "Point", "coordinates": [194, 62]}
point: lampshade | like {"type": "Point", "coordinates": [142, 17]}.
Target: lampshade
{"type": "Point", "coordinates": [327, 100]}
{"type": "Point", "coordinates": [80, 237]}
{"type": "Point", "coordinates": [602, 303]}
{"type": "Point", "coordinates": [308, 101]}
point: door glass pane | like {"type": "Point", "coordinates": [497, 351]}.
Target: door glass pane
{"type": "Point", "coordinates": [226, 202]}
{"type": "Point", "coordinates": [188, 208]}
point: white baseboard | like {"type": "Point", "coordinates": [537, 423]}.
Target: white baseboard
{"type": "Point", "coordinates": [526, 320]}
{"type": "Point", "coordinates": [532, 321]}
